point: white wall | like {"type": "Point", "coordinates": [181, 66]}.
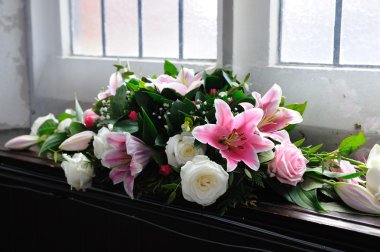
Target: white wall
{"type": "Point", "coordinates": [14, 88]}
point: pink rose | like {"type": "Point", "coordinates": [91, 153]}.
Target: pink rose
{"type": "Point", "coordinates": [89, 118]}
{"type": "Point", "coordinates": [288, 164]}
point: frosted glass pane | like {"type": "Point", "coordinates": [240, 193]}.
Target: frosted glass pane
{"type": "Point", "coordinates": [160, 28]}
{"type": "Point", "coordinates": [360, 32]}
{"type": "Point", "coordinates": [122, 32]}
{"type": "Point", "coordinates": [308, 31]}
{"type": "Point", "coordinates": [87, 28]}
{"type": "Point", "coordinates": [199, 29]}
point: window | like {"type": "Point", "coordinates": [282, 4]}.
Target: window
{"type": "Point", "coordinates": [330, 32]}
{"type": "Point", "coordinates": [339, 98]}
{"type": "Point", "coordinates": [178, 29]}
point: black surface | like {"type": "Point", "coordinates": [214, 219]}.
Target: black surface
{"type": "Point", "coordinates": [39, 212]}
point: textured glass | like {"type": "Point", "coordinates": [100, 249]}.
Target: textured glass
{"type": "Point", "coordinates": [86, 27]}
{"type": "Point", "coordinates": [160, 28]}
{"type": "Point", "coordinates": [122, 28]}
{"type": "Point", "coordinates": [199, 29]}
{"type": "Point", "coordinates": [360, 32]}
{"type": "Point", "coordinates": [308, 31]}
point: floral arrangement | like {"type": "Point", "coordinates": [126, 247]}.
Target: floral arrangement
{"type": "Point", "coordinates": [204, 138]}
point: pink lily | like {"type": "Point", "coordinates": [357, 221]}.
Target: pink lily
{"type": "Point", "coordinates": [116, 80]}
{"type": "Point", "coordinates": [184, 83]}
{"type": "Point", "coordinates": [127, 159]}
{"type": "Point", "coordinates": [346, 168]}
{"type": "Point", "coordinates": [21, 142]}
{"type": "Point", "coordinates": [275, 117]}
{"type": "Point", "coordinates": [234, 136]}
{"type": "Point", "coordinates": [77, 142]}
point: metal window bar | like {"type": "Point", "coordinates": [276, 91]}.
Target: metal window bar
{"type": "Point", "coordinates": [337, 39]}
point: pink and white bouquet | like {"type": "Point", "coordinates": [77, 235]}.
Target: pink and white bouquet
{"type": "Point", "coordinates": [201, 137]}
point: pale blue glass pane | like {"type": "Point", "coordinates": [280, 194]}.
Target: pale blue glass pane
{"type": "Point", "coordinates": [160, 28]}
{"type": "Point", "coordinates": [200, 29]}
{"type": "Point", "coordinates": [122, 32]}
{"type": "Point", "coordinates": [360, 32]}
{"type": "Point", "coordinates": [307, 31]}
{"type": "Point", "coordinates": [86, 27]}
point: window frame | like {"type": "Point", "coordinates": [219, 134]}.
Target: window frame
{"type": "Point", "coordinates": [57, 75]}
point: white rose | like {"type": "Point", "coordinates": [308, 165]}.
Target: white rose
{"type": "Point", "coordinates": [78, 171]}
{"type": "Point", "coordinates": [203, 181]}
{"type": "Point", "coordinates": [373, 173]}
{"type": "Point", "coordinates": [180, 149]}
{"type": "Point", "coordinates": [39, 121]}
{"type": "Point", "coordinates": [62, 126]}
{"type": "Point", "coordinates": [100, 142]}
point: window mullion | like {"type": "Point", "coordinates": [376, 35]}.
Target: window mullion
{"type": "Point", "coordinates": [103, 17]}
{"type": "Point", "coordinates": [337, 31]}
{"type": "Point", "coordinates": [180, 29]}
{"type": "Point", "coordinates": [139, 9]}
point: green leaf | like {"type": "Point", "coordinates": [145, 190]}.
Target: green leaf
{"type": "Point", "coordinates": [297, 107]}
{"type": "Point", "coordinates": [248, 173]}
{"type": "Point", "coordinates": [227, 78]}
{"type": "Point", "coordinates": [76, 127]}
{"type": "Point", "coordinates": [52, 142]}
{"type": "Point", "coordinates": [64, 116]}
{"type": "Point", "coordinates": [266, 156]}
{"type": "Point", "coordinates": [296, 195]}
{"type": "Point", "coordinates": [352, 175]}
{"type": "Point", "coordinates": [132, 85]}
{"type": "Point", "coordinates": [214, 82]}
{"type": "Point", "coordinates": [231, 177]}
{"type": "Point", "coordinates": [299, 142]}
{"type": "Point", "coordinates": [118, 67]}
{"type": "Point", "coordinates": [335, 207]}
{"type": "Point", "coordinates": [310, 184]}
{"type": "Point", "coordinates": [315, 148]}
{"type": "Point", "coordinates": [159, 98]}
{"type": "Point", "coordinates": [160, 141]}
{"type": "Point", "coordinates": [172, 197]}
{"type": "Point", "coordinates": [171, 186]}
{"type": "Point", "coordinates": [78, 110]}
{"type": "Point", "coordinates": [170, 69]}
{"type": "Point", "coordinates": [306, 199]}
{"type": "Point", "coordinates": [246, 78]}
{"type": "Point", "coordinates": [119, 102]}
{"type": "Point", "coordinates": [238, 95]}
{"type": "Point", "coordinates": [149, 130]}
{"type": "Point", "coordinates": [330, 174]}
{"type": "Point", "coordinates": [352, 143]}
{"type": "Point", "coordinates": [126, 126]}
{"type": "Point", "coordinates": [47, 128]}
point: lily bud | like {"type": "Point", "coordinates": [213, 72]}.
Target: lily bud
{"type": "Point", "coordinates": [77, 142]}
{"type": "Point", "coordinates": [21, 142]}
{"type": "Point", "coordinates": [357, 197]}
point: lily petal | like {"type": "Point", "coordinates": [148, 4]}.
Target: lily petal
{"type": "Point", "coordinates": [210, 134]}
{"type": "Point", "coordinates": [374, 157]}
{"type": "Point", "coordinates": [223, 114]}
{"type": "Point", "coordinates": [282, 118]}
{"type": "Point", "coordinates": [21, 142]}
{"type": "Point", "coordinates": [271, 100]}
{"type": "Point", "coordinates": [357, 197]}
{"type": "Point", "coordinates": [77, 142]}
{"type": "Point", "coordinates": [117, 174]}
